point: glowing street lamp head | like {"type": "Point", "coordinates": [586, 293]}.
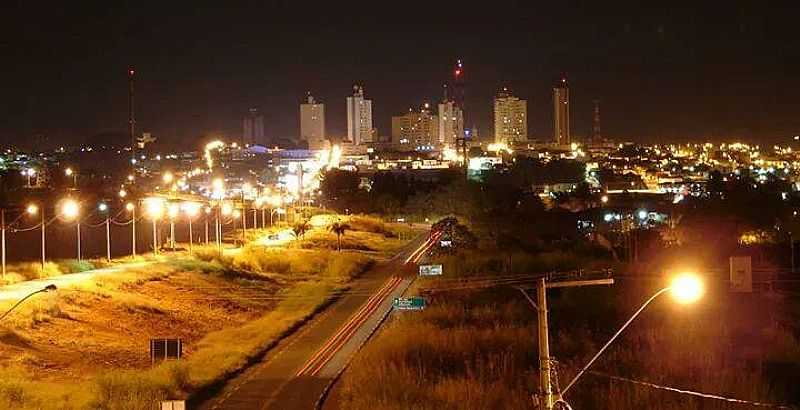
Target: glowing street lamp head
{"type": "Point", "coordinates": [154, 207]}
{"type": "Point", "coordinates": [70, 208]}
{"type": "Point", "coordinates": [68, 172]}
{"type": "Point", "coordinates": [123, 193]}
{"type": "Point", "coordinates": [32, 209]}
{"type": "Point", "coordinates": [129, 206]}
{"type": "Point", "coordinates": [687, 288]}
{"type": "Point", "coordinates": [604, 199]}
{"type": "Point", "coordinates": [172, 210]}
{"type": "Point", "coordinates": [191, 208]}
{"type": "Point", "coordinates": [167, 177]}
{"type": "Point", "coordinates": [102, 207]}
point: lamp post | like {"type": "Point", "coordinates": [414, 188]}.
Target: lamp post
{"type": "Point", "coordinates": [104, 209]}
{"type": "Point", "coordinates": [208, 211]}
{"type": "Point", "coordinates": [155, 209]}
{"type": "Point", "coordinates": [71, 173]}
{"type": "Point", "coordinates": [685, 288]}
{"type": "Point", "coordinates": [172, 212]}
{"type": "Point", "coordinates": [132, 209]}
{"type": "Point", "coordinates": [44, 225]}
{"type": "Point", "coordinates": [70, 209]}
{"type": "Point", "coordinates": [191, 209]}
{"type": "Point", "coordinates": [48, 288]}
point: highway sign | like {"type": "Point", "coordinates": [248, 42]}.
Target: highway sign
{"type": "Point", "coordinates": [412, 303]}
{"type": "Point", "coordinates": [430, 270]}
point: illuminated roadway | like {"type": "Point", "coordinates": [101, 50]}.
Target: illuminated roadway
{"type": "Point", "coordinates": [300, 368]}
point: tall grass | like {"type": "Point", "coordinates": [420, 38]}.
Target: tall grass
{"type": "Point", "coordinates": [476, 349]}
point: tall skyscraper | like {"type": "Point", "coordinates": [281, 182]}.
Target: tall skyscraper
{"type": "Point", "coordinates": [510, 118]}
{"type": "Point", "coordinates": [451, 122]}
{"type": "Point", "coordinates": [312, 123]}
{"type": "Point", "coordinates": [417, 130]}
{"type": "Point", "coordinates": [595, 137]}
{"type": "Point", "coordinates": [561, 113]}
{"type": "Point", "coordinates": [359, 117]}
{"type": "Point", "coordinates": [253, 128]}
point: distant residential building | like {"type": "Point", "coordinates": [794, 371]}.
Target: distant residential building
{"type": "Point", "coordinates": [312, 123]}
{"type": "Point", "coordinates": [359, 117]}
{"type": "Point", "coordinates": [416, 130]}
{"type": "Point", "coordinates": [253, 128]}
{"type": "Point", "coordinates": [451, 122]}
{"type": "Point", "coordinates": [561, 134]}
{"type": "Point", "coordinates": [510, 118]}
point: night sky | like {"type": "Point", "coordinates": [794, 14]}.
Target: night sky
{"type": "Point", "coordinates": [729, 71]}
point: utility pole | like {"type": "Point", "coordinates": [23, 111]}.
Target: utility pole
{"type": "Point", "coordinates": [547, 398]}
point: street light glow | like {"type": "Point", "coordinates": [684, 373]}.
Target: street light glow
{"type": "Point", "coordinates": [32, 209]}
{"type": "Point", "coordinates": [172, 210]}
{"type": "Point", "coordinates": [227, 209]}
{"type": "Point", "coordinates": [129, 206]}
{"type": "Point", "coordinates": [154, 207]}
{"type": "Point", "coordinates": [68, 172]}
{"type": "Point", "coordinates": [687, 288]}
{"type": "Point", "coordinates": [167, 177]}
{"type": "Point", "coordinates": [191, 208]}
{"type": "Point", "coordinates": [102, 207]}
{"type": "Point", "coordinates": [123, 193]}
{"type": "Point", "coordinates": [70, 208]}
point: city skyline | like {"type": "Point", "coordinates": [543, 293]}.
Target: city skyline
{"type": "Point", "coordinates": [661, 74]}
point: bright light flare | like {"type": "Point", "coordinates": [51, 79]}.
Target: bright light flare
{"type": "Point", "coordinates": [167, 177]}
{"type": "Point", "coordinates": [129, 206]}
{"type": "Point", "coordinates": [154, 207]}
{"type": "Point", "coordinates": [227, 209]}
{"type": "Point", "coordinates": [68, 172]}
{"type": "Point", "coordinates": [32, 209]}
{"type": "Point", "coordinates": [102, 207]}
{"type": "Point", "coordinates": [70, 208]}
{"type": "Point", "coordinates": [191, 208]}
{"type": "Point", "coordinates": [687, 288]}
{"type": "Point", "coordinates": [172, 210]}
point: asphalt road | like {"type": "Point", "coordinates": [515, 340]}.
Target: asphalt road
{"type": "Point", "coordinates": [295, 373]}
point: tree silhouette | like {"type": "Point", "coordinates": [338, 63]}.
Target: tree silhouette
{"type": "Point", "coordinates": [339, 229]}
{"type": "Point", "coordinates": [300, 229]}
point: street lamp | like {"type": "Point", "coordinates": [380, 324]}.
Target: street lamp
{"type": "Point", "coordinates": [71, 173]}
{"type": "Point", "coordinates": [70, 210]}
{"type": "Point", "coordinates": [154, 207]}
{"type": "Point", "coordinates": [172, 212]}
{"type": "Point", "coordinates": [191, 209]}
{"type": "Point", "coordinates": [208, 211]}
{"type": "Point", "coordinates": [49, 288]}
{"type": "Point", "coordinates": [102, 207]}
{"type": "Point", "coordinates": [130, 207]}
{"type": "Point", "coordinates": [685, 288]}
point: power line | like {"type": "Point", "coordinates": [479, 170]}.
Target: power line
{"type": "Point", "coordinates": [689, 392]}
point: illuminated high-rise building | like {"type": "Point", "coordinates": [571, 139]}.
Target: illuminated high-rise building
{"type": "Point", "coordinates": [561, 113]}
{"type": "Point", "coordinates": [359, 117]}
{"type": "Point", "coordinates": [253, 128]}
{"type": "Point", "coordinates": [312, 123]}
{"type": "Point", "coordinates": [416, 130]}
{"type": "Point", "coordinates": [510, 118]}
{"type": "Point", "coordinates": [451, 122]}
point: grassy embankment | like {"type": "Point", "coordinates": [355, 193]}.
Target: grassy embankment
{"type": "Point", "coordinates": [476, 349]}
{"type": "Point", "coordinates": [87, 347]}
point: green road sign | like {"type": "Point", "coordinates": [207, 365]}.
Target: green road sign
{"type": "Point", "coordinates": [412, 303]}
{"type": "Point", "coordinates": [430, 270]}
